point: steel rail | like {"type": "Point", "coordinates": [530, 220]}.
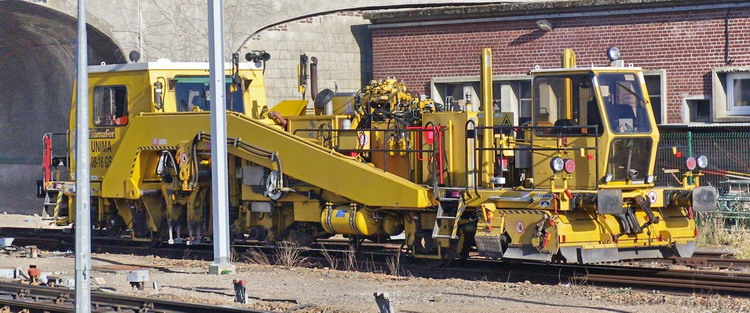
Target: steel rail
{"type": "Point", "coordinates": [100, 300]}
{"type": "Point", "coordinates": [621, 275]}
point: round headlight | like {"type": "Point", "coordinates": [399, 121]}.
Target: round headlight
{"type": "Point", "coordinates": [557, 164]}
{"type": "Point", "coordinates": [613, 53]}
{"type": "Point", "coordinates": [570, 166]}
{"type": "Point", "coordinates": [691, 163]}
{"type": "Point", "coordinates": [607, 178]}
{"type": "Point", "coordinates": [702, 161]}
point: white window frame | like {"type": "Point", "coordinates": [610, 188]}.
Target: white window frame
{"type": "Point", "coordinates": [731, 108]}
{"type": "Point", "coordinates": [719, 97]}
{"type": "Point", "coordinates": [663, 94]}
{"type": "Point", "coordinates": [687, 113]}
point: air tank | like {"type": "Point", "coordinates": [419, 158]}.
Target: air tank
{"type": "Point", "coordinates": [350, 220]}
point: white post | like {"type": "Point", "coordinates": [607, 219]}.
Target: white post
{"type": "Point", "coordinates": [219, 182]}
{"type": "Point", "coordinates": [83, 191]}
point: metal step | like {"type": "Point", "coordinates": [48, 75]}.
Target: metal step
{"type": "Point", "coordinates": [445, 217]}
{"type": "Point", "coordinates": [450, 199]}
{"type": "Point", "coordinates": [50, 204]}
{"type": "Point", "coordinates": [443, 236]}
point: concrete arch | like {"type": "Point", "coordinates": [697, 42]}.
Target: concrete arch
{"type": "Point", "coordinates": [37, 65]}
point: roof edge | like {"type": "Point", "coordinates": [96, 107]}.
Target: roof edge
{"type": "Point", "coordinates": [516, 9]}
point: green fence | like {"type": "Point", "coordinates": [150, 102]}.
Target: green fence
{"type": "Point", "coordinates": [728, 155]}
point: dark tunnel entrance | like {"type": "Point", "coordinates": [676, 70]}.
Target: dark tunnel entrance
{"type": "Point", "coordinates": [37, 69]}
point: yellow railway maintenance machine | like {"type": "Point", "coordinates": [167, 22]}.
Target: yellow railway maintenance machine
{"type": "Point", "coordinates": [574, 185]}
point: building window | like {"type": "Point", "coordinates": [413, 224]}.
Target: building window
{"type": "Point", "coordinates": [699, 110]}
{"type": "Point", "coordinates": [511, 94]}
{"type": "Point", "coordinates": [455, 96]}
{"type": "Point", "coordinates": [110, 105]}
{"type": "Point", "coordinates": [653, 85]}
{"type": "Point", "coordinates": [524, 102]}
{"type": "Point", "coordinates": [738, 94]}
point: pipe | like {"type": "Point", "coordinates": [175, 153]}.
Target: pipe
{"type": "Point", "coordinates": [487, 163]}
{"type": "Point", "coordinates": [313, 77]}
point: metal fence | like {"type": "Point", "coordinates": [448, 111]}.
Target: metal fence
{"type": "Point", "coordinates": [728, 153]}
{"type": "Point", "coordinates": [728, 156]}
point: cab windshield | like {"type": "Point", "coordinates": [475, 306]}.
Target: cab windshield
{"type": "Point", "coordinates": [624, 102]}
{"type": "Point", "coordinates": [193, 92]}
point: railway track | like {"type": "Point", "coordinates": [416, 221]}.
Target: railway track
{"type": "Point", "coordinates": [19, 297]}
{"type": "Point", "coordinates": [694, 281]}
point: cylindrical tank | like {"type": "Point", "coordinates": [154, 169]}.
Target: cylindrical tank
{"type": "Point", "coordinates": [350, 220]}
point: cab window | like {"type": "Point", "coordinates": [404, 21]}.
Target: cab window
{"type": "Point", "coordinates": [565, 101]}
{"type": "Point", "coordinates": [193, 93]}
{"type": "Point", "coordinates": [110, 105]}
{"type": "Point", "coordinates": [624, 102]}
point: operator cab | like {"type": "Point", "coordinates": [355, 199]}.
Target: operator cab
{"type": "Point", "coordinates": [602, 108]}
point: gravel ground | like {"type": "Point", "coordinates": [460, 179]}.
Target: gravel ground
{"type": "Point", "coordinates": [27, 221]}
{"type": "Point", "coordinates": [340, 291]}
{"type": "Point", "coordinates": [279, 288]}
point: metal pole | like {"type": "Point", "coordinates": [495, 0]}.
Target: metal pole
{"type": "Point", "coordinates": [83, 211]}
{"type": "Point", "coordinates": [219, 182]}
{"type": "Point", "coordinates": [487, 164]}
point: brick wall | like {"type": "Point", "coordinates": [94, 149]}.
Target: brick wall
{"type": "Point", "coordinates": [685, 44]}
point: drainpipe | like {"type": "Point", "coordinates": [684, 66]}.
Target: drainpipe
{"type": "Point", "coordinates": [313, 77]}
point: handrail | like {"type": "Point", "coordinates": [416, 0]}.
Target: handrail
{"type": "Point", "coordinates": [437, 146]}
{"type": "Point", "coordinates": [531, 147]}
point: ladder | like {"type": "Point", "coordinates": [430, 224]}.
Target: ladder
{"type": "Point", "coordinates": [49, 202]}
{"type": "Point", "coordinates": [454, 218]}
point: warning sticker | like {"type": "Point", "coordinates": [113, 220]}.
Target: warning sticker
{"type": "Point", "coordinates": [652, 197]}
{"type": "Point", "coordinates": [520, 227]}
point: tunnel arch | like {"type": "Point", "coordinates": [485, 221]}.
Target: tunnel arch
{"type": "Point", "coordinates": [37, 70]}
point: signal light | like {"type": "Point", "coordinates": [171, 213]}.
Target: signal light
{"type": "Point", "coordinates": [569, 166]}
{"type": "Point", "coordinates": [691, 163]}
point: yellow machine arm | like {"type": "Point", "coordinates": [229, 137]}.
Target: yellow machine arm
{"type": "Point", "coordinates": [302, 160]}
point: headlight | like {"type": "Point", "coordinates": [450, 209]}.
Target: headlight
{"type": "Point", "coordinates": [613, 53]}
{"type": "Point", "coordinates": [557, 164]}
{"type": "Point", "coordinates": [691, 163]}
{"type": "Point", "coordinates": [569, 166]}
{"type": "Point", "coordinates": [607, 178]}
{"type": "Point", "coordinates": [702, 161]}
{"type": "Point", "coordinates": [650, 179]}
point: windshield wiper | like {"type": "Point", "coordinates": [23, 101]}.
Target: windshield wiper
{"type": "Point", "coordinates": [637, 95]}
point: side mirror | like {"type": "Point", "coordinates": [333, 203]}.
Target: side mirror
{"type": "Point", "coordinates": [158, 93]}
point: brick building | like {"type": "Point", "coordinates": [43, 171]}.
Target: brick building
{"type": "Point", "coordinates": [696, 54]}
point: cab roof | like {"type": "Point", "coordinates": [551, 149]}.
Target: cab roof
{"type": "Point", "coordinates": [585, 69]}
{"type": "Point", "coordinates": [165, 65]}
